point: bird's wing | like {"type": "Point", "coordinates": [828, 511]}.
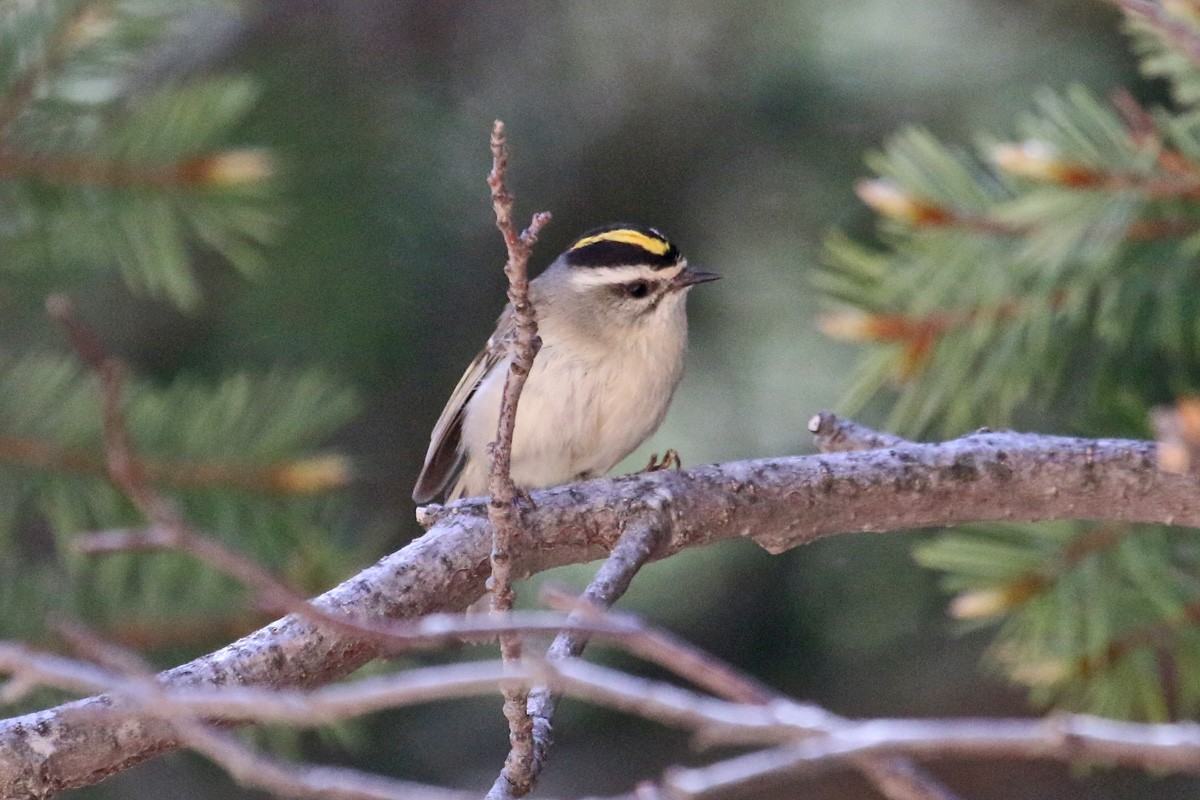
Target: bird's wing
{"type": "Point", "coordinates": [445, 458]}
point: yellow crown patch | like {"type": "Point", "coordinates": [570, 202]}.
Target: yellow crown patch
{"type": "Point", "coordinates": [650, 244]}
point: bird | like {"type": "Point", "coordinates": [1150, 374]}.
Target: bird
{"type": "Point", "coordinates": [611, 314]}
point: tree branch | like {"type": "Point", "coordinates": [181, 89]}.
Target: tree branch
{"type": "Point", "coordinates": [779, 503]}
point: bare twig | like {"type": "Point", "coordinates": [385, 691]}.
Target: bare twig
{"type": "Point", "coordinates": [213, 169]}
{"type": "Point", "coordinates": [896, 778]}
{"type": "Point", "coordinates": [270, 592]}
{"type": "Point", "coordinates": [899, 778]}
{"type": "Point", "coordinates": [1074, 738]}
{"type": "Point", "coordinates": [808, 739]}
{"type": "Point", "coordinates": [256, 770]}
{"type": "Point", "coordinates": [240, 704]}
{"type": "Point", "coordinates": [667, 650]}
{"type": "Point", "coordinates": [132, 684]}
{"type": "Point", "coordinates": [428, 632]}
{"type": "Point", "coordinates": [635, 547]}
{"type": "Point", "coordinates": [663, 702]}
{"type": "Point", "coordinates": [302, 476]}
{"type": "Point", "coordinates": [169, 529]}
{"type": "Point", "coordinates": [503, 513]}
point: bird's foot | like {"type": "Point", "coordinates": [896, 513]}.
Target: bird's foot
{"type": "Point", "coordinates": [522, 501]}
{"type": "Point", "coordinates": [670, 460]}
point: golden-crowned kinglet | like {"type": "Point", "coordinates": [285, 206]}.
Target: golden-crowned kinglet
{"type": "Point", "coordinates": [610, 312]}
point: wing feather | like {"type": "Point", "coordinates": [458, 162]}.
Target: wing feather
{"type": "Point", "coordinates": [445, 458]}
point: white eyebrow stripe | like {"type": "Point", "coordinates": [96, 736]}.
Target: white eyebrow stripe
{"type": "Point", "coordinates": [610, 276]}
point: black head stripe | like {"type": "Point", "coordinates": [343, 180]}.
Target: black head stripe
{"type": "Point", "coordinates": [621, 244]}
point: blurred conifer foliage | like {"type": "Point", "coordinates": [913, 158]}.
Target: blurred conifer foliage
{"type": "Point", "coordinates": [110, 164]}
{"type": "Point", "coordinates": [1053, 277]}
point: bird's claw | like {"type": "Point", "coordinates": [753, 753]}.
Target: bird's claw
{"type": "Point", "coordinates": [522, 501]}
{"type": "Point", "coordinates": [670, 460]}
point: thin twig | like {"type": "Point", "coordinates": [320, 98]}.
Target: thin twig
{"type": "Point", "coordinates": [666, 650]}
{"type": "Point", "coordinates": [428, 632]}
{"type": "Point", "coordinates": [435, 631]}
{"type": "Point", "coordinates": [212, 169]}
{"type": "Point", "coordinates": [502, 509]}
{"type": "Point", "coordinates": [828, 738]}
{"type": "Point", "coordinates": [901, 778]}
{"type": "Point", "coordinates": [301, 476]}
{"type": "Point", "coordinates": [169, 529]}
{"type": "Point", "coordinates": [808, 740]}
{"type": "Point", "coordinates": [1069, 739]}
{"type": "Point", "coordinates": [134, 684]}
{"type": "Point", "coordinates": [896, 778]}
{"type": "Point", "coordinates": [282, 779]}
{"type": "Point", "coordinates": [637, 546]}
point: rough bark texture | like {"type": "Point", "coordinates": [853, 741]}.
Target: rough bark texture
{"type": "Point", "coordinates": [779, 503]}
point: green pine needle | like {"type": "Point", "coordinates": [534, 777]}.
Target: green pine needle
{"type": "Point", "coordinates": [1054, 275]}
{"type": "Point", "coordinates": [100, 169]}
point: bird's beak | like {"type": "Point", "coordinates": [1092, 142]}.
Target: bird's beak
{"type": "Point", "coordinates": [690, 277]}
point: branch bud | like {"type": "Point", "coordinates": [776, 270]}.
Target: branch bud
{"type": "Point", "coordinates": [230, 168]}
{"type": "Point", "coordinates": [1040, 161]}
{"type": "Point", "coordinates": [889, 200]}
{"type": "Point", "coordinates": [312, 475]}
{"type": "Point", "coordinates": [984, 603]}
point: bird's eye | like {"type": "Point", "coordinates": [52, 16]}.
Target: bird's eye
{"type": "Point", "coordinates": [637, 289]}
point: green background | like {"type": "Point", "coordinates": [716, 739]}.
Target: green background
{"type": "Point", "coordinates": [738, 129]}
